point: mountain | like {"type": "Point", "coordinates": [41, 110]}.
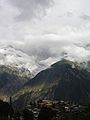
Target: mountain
{"type": "Point", "coordinates": [15, 70]}
{"type": "Point", "coordinates": [64, 80]}
{"type": "Point", "coordinates": [17, 67]}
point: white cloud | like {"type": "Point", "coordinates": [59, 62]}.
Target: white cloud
{"type": "Point", "coordinates": [76, 53]}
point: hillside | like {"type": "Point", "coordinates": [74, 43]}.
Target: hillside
{"type": "Point", "coordinates": [11, 80]}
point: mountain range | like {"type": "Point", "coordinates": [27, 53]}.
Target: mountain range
{"type": "Point", "coordinates": [25, 78]}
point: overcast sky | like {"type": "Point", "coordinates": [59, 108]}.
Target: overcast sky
{"type": "Point", "coordinates": [46, 28]}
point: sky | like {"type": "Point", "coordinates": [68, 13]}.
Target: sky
{"type": "Point", "coordinates": [47, 28]}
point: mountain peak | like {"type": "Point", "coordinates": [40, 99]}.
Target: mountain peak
{"type": "Point", "coordinates": [63, 61]}
{"type": "Point", "coordinates": [67, 63]}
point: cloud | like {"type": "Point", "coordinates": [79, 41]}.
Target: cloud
{"type": "Point", "coordinates": [85, 17]}
{"type": "Point", "coordinates": [46, 38]}
{"type": "Point", "coordinates": [31, 8]}
{"type": "Point", "coordinates": [69, 14]}
{"type": "Point", "coordinates": [76, 53]}
{"type": "Point", "coordinates": [48, 46]}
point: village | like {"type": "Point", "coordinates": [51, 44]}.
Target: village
{"type": "Point", "coordinates": [45, 110]}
